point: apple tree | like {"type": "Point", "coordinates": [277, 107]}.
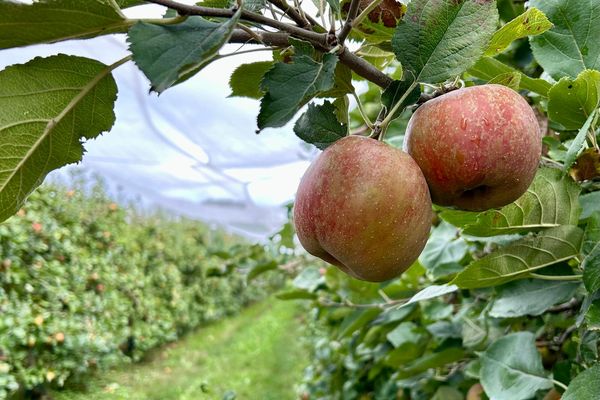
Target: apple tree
{"type": "Point", "coordinates": [502, 303]}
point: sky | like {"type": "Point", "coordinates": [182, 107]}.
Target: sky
{"type": "Point", "coordinates": [191, 150]}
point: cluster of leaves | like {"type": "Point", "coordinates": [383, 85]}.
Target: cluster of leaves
{"type": "Point", "coordinates": [86, 284]}
{"type": "Point", "coordinates": [501, 302]}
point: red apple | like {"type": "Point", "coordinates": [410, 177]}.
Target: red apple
{"type": "Point", "coordinates": [478, 147]}
{"type": "Point", "coordinates": [364, 206]}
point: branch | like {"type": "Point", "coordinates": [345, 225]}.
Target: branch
{"type": "Point", "coordinates": [355, 63]}
{"type": "Point", "coordinates": [347, 28]}
{"type": "Point", "coordinates": [280, 39]}
{"type": "Point", "coordinates": [184, 9]}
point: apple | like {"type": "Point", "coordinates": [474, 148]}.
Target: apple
{"type": "Point", "coordinates": [364, 207]}
{"type": "Point", "coordinates": [479, 147]}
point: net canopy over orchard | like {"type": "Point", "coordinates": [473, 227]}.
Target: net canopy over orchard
{"type": "Point", "coordinates": [191, 151]}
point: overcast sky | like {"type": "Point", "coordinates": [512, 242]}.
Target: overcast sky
{"type": "Point", "coordinates": [191, 150]}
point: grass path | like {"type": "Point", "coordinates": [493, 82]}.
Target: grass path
{"type": "Point", "coordinates": [256, 355]}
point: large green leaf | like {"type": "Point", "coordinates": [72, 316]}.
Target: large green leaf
{"type": "Point", "coordinates": [586, 385]}
{"type": "Point", "coordinates": [445, 246]}
{"type": "Point", "coordinates": [44, 119]}
{"type": "Point", "coordinates": [572, 45]}
{"type": "Point", "coordinates": [511, 368]}
{"type": "Point", "coordinates": [522, 257]}
{"type": "Point", "coordinates": [289, 86]}
{"type": "Point", "coordinates": [51, 21]}
{"type": "Point", "coordinates": [550, 201]}
{"type": "Point", "coordinates": [488, 69]}
{"type": "Point", "coordinates": [571, 101]}
{"type": "Point", "coordinates": [438, 40]}
{"type": "Point", "coordinates": [245, 80]}
{"type": "Point", "coordinates": [530, 297]}
{"type": "Point", "coordinates": [319, 125]}
{"type": "Point", "coordinates": [531, 22]}
{"type": "Point", "coordinates": [168, 54]}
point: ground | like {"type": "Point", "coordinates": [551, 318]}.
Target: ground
{"type": "Point", "coordinates": [254, 355]}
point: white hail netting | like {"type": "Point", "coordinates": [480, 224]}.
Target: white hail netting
{"type": "Point", "coordinates": [192, 150]}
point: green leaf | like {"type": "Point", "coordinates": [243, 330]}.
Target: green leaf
{"type": "Point", "coordinates": [571, 102]}
{"type": "Point", "coordinates": [289, 86]}
{"type": "Point", "coordinates": [508, 79]}
{"type": "Point", "coordinates": [591, 251]}
{"type": "Point", "coordinates": [53, 21]}
{"type": "Point", "coordinates": [550, 201]}
{"type": "Point", "coordinates": [444, 246]}
{"type": "Point", "coordinates": [169, 54]}
{"type": "Point", "coordinates": [245, 80]}
{"type": "Point", "coordinates": [532, 22]}
{"type": "Point", "coordinates": [129, 3]}
{"type": "Point", "coordinates": [342, 84]}
{"type": "Point", "coordinates": [530, 297]}
{"type": "Point", "coordinates": [431, 292]}
{"type": "Point", "coordinates": [590, 203]}
{"type": "Point", "coordinates": [43, 121]}
{"type": "Point", "coordinates": [394, 92]}
{"type": "Point", "coordinates": [432, 360]}
{"type": "Point", "coordinates": [592, 316]}
{"type": "Point", "coordinates": [572, 45]}
{"type": "Point", "coordinates": [260, 269]}
{"type": "Point", "coordinates": [319, 125]}
{"type": "Point", "coordinates": [356, 320]}
{"type": "Point", "coordinates": [296, 295]}
{"type": "Point", "coordinates": [438, 40]}
{"type": "Point", "coordinates": [309, 279]}
{"type": "Point", "coordinates": [406, 333]}
{"type": "Point", "coordinates": [577, 146]}
{"type": "Point", "coordinates": [447, 393]}
{"type": "Point", "coordinates": [586, 385]}
{"type": "Point", "coordinates": [376, 56]}
{"type": "Point", "coordinates": [522, 257]}
{"type": "Point", "coordinates": [488, 68]}
{"type": "Point", "coordinates": [511, 368]}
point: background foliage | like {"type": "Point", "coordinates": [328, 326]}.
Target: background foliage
{"type": "Point", "coordinates": [86, 284]}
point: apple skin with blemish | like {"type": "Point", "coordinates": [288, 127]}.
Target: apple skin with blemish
{"type": "Point", "coordinates": [364, 207]}
{"type": "Point", "coordinates": [479, 147]}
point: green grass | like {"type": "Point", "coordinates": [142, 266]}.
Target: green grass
{"type": "Point", "coordinates": [257, 354]}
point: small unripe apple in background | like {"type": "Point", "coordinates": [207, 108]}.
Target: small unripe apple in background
{"type": "Point", "coordinates": [478, 147]}
{"type": "Point", "coordinates": [364, 206]}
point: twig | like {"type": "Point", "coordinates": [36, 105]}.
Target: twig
{"type": "Point", "coordinates": [292, 13]}
{"type": "Point", "coordinates": [362, 112]}
{"type": "Point", "coordinates": [365, 12]}
{"type": "Point", "coordinates": [570, 305]}
{"type": "Point", "coordinates": [347, 28]}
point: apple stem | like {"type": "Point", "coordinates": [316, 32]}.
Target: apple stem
{"type": "Point", "coordinates": [391, 114]}
{"type": "Point", "coordinates": [361, 110]}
